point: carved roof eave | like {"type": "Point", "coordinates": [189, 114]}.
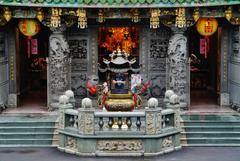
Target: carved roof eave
{"type": "Point", "coordinates": [115, 5]}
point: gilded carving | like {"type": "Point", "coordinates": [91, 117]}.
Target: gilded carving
{"type": "Point", "coordinates": [150, 127]}
{"type": "Point", "coordinates": [120, 145]}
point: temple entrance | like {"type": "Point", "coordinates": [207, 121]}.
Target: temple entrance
{"type": "Point", "coordinates": [118, 51]}
{"type": "Point", "coordinates": [205, 54]}
{"type": "Point", "coordinates": [32, 69]}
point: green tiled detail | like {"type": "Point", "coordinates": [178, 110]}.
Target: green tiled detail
{"type": "Point", "coordinates": [57, 1]}
{"type": "Point", "coordinates": [181, 1]}
{"type": "Point", "coordinates": [133, 1]}
{"type": "Point", "coordinates": [172, 1]}
{"type": "Point", "coordinates": [72, 1]}
{"type": "Point", "coordinates": [95, 1]}
{"type": "Point", "coordinates": [141, 1]}
{"type": "Point", "coordinates": [157, 1]}
{"type": "Point", "coordinates": [48, 1]}
{"type": "Point", "coordinates": [64, 1]}
{"type": "Point", "coordinates": [110, 1]}
{"type": "Point", "coordinates": [79, 1]}
{"type": "Point", "coordinates": [118, 1]}
{"type": "Point", "coordinates": [149, 1]}
{"type": "Point", "coordinates": [126, 1]}
{"type": "Point", "coordinates": [40, 1]}
{"type": "Point", "coordinates": [164, 1]}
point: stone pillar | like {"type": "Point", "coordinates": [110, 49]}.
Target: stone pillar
{"type": "Point", "coordinates": [178, 66]}
{"type": "Point", "coordinates": [59, 64]}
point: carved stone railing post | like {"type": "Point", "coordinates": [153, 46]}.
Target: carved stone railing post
{"type": "Point", "coordinates": [59, 64]}
{"type": "Point", "coordinates": [62, 109]}
{"type": "Point", "coordinates": [177, 66]}
{"type": "Point", "coordinates": [86, 121]}
{"type": "Point", "coordinates": [153, 117]}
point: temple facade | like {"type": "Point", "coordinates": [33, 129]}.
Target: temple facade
{"type": "Point", "coordinates": [182, 45]}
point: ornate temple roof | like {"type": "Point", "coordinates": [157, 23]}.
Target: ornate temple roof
{"type": "Point", "coordinates": [119, 3]}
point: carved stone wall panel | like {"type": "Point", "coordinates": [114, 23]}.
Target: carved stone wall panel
{"type": "Point", "coordinates": [158, 87]}
{"type": "Point", "coordinates": [236, 43]}
{"type": "Point", "coordinates": [158, 47]}
{"type": "Point", "coordinates": [79, 52]}
{"type": "Point", "coordinates": [119, 145]}
{"type": "Point", "coordinates": [158, 122]}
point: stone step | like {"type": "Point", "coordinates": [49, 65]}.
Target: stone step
{"type": "Point", "coordinates": [211, 134]}
{"type": "Point", "coordinates": [212, 140]}
{"type": "Point", "coordinates": [26, 124]}
{"type": "Point", "coordinates": [211, 123]}
{"type": "Point", "coordinates": [26, 141]}
{"type": "Point", "coordinates": [18, 135]}
{"type": "Point", "coordinates": [211, 117]}
{"type": "Point", "coordinates": [27, 129]}
{"type": "Point", "coordinates": [210, 128]}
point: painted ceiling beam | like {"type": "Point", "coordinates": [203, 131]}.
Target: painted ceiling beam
{"type": "Point", "coordinates": [118, 3]}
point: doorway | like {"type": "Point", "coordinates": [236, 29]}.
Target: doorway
{"type": "Point", "coordinates": [32, 69]}
{"type": "Point", "coordinates": [205, 54]}
{"type": "Point", "coordinates": [118, 45]}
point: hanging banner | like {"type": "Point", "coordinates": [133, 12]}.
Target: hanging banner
{"type": "Point", "coordinates": [29, 27]}
{"type": "Point", "coordinates": [207, 26]}
{"type": "Point", "coordinates": [34, 46]}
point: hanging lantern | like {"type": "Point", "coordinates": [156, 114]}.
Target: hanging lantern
{"type": "Point", "coordinates": [40, 15]}
{"type": "Point", "coordinates": [29, 27]}
{"type": "Point", "coordinates": [207, 26]}
{"type": "Point", "coordinates": [55, 17]}
{"type": "Point", "coordinates": [7, 14]}
{"type": "Point", "coordinates": [228, 13]}
{"type": "Point", "coordinates": [196, 14]}
{"type": "Point", "coordinates": [101, 16]}
{"type": "Point", "coordinates": [82, 18]}
{"type": "Point", "coordinates": [180, 17]}
{"type": "Point", "coordinates": [154, 19]}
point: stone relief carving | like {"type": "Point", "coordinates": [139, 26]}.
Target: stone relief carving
{"type": "Point", "coordinates": [89, 124]}
{"type": "Point", "coordinates": [59, 66]}
{"type": "Point", "coordinates": [150, 126]}
{"type": "Point", "coordinates": [78, 48]}
{"type": "Point", "coordinates": [177, 59]}
{"type": "Point", "coordinates": [157, 61]}
{"type": "Point", "coordinates": [167, 142]}
{"type": "Point", "coordinates": [235, 42]}
{"type": "Point", "coordinates": [71, 143]}
{"type": "Point", "coordinates": [158, 121]}
{"type": "Point", "coordinates": [177, 118]}
{"type": "Point", "coordinates": [119, 145]}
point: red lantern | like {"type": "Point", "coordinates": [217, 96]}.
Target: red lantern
{"type": "Point", "coordinates": [207, 26]}
{"type": "Point", "coordinates": [29, 27]}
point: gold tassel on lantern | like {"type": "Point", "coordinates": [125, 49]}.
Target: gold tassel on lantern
{"type": "Point", "coordinates": [7, 13]}
{"type": "Point", "coordinates": [228, 13]}
{"type": "Point", "coordinates": [196, 14]}
{"type": "Point", "coordinates": [40, 15]}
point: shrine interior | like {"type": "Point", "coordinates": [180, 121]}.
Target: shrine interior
{"type": "Point", "coordinates": [204, 54]}
{"type": "Point", "coordinates": [32, 66]}
{"type": "Point", "coordinates": [124, 39]}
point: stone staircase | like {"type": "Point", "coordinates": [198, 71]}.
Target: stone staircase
{"type": "Point", "coordinates": [28, 130]}
{"type": "Point", "coordinates": [210, 130]}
